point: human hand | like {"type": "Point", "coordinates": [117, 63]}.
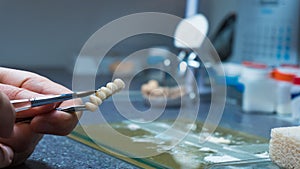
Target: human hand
{"type": "Point", "coordinates": [18, 140]}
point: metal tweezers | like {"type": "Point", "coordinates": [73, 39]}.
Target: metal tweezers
{"type": "Point", "coordinates": [25, 104]}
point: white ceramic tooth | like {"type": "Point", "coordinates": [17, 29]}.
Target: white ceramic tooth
{"type": "Point", "coordinates": [95, 100]}
{"type": "Point", "coordinates": [145, 88]}
{"type": "Point", "coordinates": [100, 94]}
{"type": "Point", "coordinates": [90, 106]}
{"type": "Point", "coordinates": [120, 83]}
{"type": "Point", "coordinates": [153, 84]}
{"type": "Point", "coordinates": [107, 91]}
{"type": "Point", "coordinates": [113, 87]}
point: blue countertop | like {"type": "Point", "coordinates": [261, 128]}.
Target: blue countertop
{"type": "Point", "coordinates": [62, 152]}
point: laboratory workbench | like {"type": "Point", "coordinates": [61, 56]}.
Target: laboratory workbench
{"type": "Point", "coordinates": [62, 152]}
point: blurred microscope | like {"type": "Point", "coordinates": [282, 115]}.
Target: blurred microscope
{"type": "Point", "coordinates": [189, 37]}
{"type": "Point", "coordinates": [183, 71]}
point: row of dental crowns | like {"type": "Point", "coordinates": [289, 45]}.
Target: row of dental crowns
{"type": "Point", "coordinates": [103, 93]}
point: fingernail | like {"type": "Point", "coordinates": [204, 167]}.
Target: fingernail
{"type": "Point", "coordinates": [6, 156]}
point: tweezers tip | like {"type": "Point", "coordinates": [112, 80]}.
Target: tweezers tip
{"type": "Point", "coordinates": [72, 109]}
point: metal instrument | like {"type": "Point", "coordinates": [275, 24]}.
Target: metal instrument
{"type": "Point", "coordinates": [25, 104]}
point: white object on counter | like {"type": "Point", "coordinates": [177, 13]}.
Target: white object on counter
{"type": "Point", "coordinates": [259, 95]}
{"type": "Point", "coordinates": [284, 79]}
{"type": "Point", "coordinates": [283, 98]}
{"type": "Point", "coordinates": [232, 69]}
{"type": "Point", "coordinates": [295, 103]}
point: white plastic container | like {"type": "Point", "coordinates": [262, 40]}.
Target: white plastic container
{"type": "Point", "coordinates": [259, 95]}
{"type": "Point", "coordinates": [284, 79]}
{"type": "Point", "coordinates": [295, 103]}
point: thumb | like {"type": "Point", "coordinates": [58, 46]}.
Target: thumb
{"type": "Point", "coordinates": [7, 116]}
{"type": "Point", "coordinates": [6, 156]}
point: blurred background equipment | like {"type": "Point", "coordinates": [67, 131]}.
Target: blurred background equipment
{"type": "Point", "coordinates": [267, 32]}
{"type": "Point", "coordinates": [223, 37]}
{"type": "Point", "coordinates": [50, 34]}
{"type": "Point", "coordinates": [36, 35]}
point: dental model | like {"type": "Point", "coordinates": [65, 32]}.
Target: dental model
{"type": "Point", "coordinates": [154, 90]}
{"type": "Point", "coordinates": [103, 93]}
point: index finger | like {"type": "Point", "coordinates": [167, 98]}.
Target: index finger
{"type": "Point", "coordinates": [30, 81]}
